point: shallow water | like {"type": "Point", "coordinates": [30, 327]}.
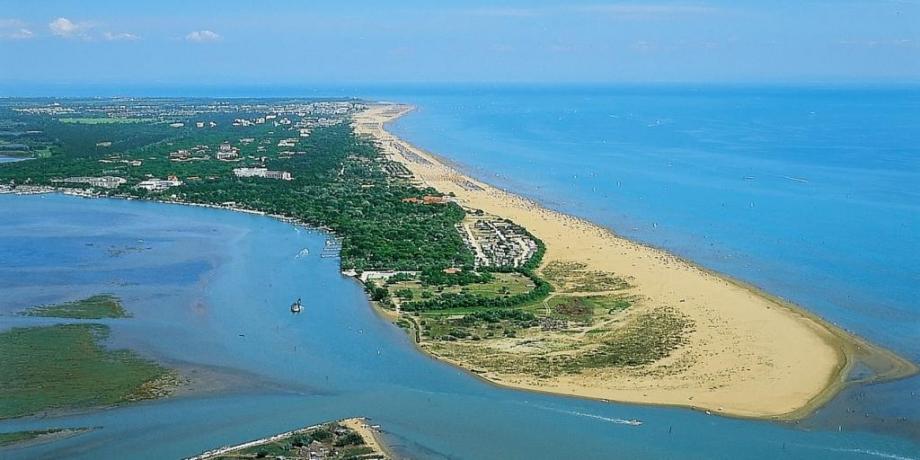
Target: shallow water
{"type": "Point", "coordinates": [211, 288]}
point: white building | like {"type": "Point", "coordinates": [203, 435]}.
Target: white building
{"type": "Point", "coordinates": [104, 181]}
{"type": "Point", "coordinates": [262, 172]}
{"type": "Point", "coordinates": [156, 185]}
{"type": "Point", "coordinates": [250, 172]}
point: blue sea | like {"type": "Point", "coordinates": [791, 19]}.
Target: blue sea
{"type": "Point", "coordinates": [809, 193]}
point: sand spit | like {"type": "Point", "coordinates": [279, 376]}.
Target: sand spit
{"type": "Point", "coordinates": [749, 355]}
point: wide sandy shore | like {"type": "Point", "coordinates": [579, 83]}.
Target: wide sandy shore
{"type": "Point", "coordinates": [749, 354]}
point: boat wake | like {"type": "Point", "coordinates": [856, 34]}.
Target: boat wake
{"type": "Point", "coordinates": [618, 421]}
{"type": "Point", "coordinates": [303, 253]}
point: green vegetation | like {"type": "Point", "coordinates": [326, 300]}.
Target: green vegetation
{"type": "Point", "coordinates": [563, 318]}
{"type": "Point", "coordinates": [574, 277]}
{"type": "Point", "coordinates": [17, 437]}
{"type": "Point", "coordinates": [339, 183]}
{"type": "Point", "coordinates": [503, 291]}
{"type": "Point", "coordinates": [338, 441]}
{"type": "Point", "coordinates": [21, 436]}
{"type": "Point", "coordinates": [496, 284]}
{"type": "Point", "coordinates": [95, 307]}
{"type": "Point", "coordinates": [478, 324]}
{"type": "Point", "coordinates": [66, 367]}
{"type": "Point", "coordinates": [649, 337]}
{"type": "Point", "coordinates": [643, 339]}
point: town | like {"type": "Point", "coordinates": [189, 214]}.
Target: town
{"type": "Point", "coordinates": [248, 136]}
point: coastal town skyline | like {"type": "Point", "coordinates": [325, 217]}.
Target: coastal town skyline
{"type": "Point", "coordinates": [289, 43]}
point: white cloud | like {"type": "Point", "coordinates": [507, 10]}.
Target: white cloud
{"type": "Point", "coordinates": [65, 28]}
{"type": "Point", "coordinates": [119, 36]}
{"type": "Point", "coordinates": [14, 29]}
{"type": "Point", "coordinates": [202, 36]}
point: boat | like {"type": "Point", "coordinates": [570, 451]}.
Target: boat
{"type": "Point", "coordinates": [297, 307]}
{"type": "Point", "coordinates": [632, 422]}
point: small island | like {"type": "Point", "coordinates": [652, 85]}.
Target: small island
{"type": "Point", "coordinates": [350, 439]}
{"type": "Point", "coordinates": [71, 366]}
{"type": "Point", "coordinates": [94, 307]}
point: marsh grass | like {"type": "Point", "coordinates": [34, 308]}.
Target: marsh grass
{"type": "Point", "coordinates": [66, 367]}
{"type": "Point", "coordinates": [575, 277]}
{"type": "Point", "coordinates": [95, 307]}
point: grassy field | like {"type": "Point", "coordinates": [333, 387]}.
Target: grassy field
{"type": "Point", "coordinates": [504, 284]}
{"type": "Point", "coordinates": [66, 367]}
{"type": "Point", "coordinates": [574, 277]}
{"type": "Point", "coordinates": [95, 307]}
{"type": "Point", "coordinates": [590, 323]}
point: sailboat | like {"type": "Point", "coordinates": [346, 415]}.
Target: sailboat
{"type": "Point", "coordinates": [296, 307]}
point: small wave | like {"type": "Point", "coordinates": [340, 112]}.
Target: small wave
{"type": "Point", "coordinates": [870, 452]}
{"type": "Point", "coordinates": [303, 253]}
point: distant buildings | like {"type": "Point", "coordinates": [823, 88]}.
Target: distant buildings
{"type": "Point", "coordinates": [497, 242]}
{"type": "Point", "coordinates": [179, 155]}
{"type": "Point", "coordinates": [227, 152]}
{"type": "Point", "coordinates": [428, 199]}
{"type": "Point", "coordinates": [156, 185]}
{"type": "Point", "coordinates": [262, 172]}
{"type": "Point", "coordinates": [103, 182]}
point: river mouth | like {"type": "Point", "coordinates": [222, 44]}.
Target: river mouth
{"type": "Point", "coordinates": [211, 289]}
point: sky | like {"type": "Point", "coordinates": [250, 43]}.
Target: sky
{"type": "Point", "coordinates": [235, 42]}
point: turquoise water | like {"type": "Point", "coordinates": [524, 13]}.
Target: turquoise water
{"type": "Point", "coordinates": [210, 289]}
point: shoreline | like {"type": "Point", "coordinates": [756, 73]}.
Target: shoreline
{"type": "Point", "coordinates": [798, 368]}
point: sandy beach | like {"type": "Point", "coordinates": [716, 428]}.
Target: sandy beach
{"type": "Point", "coordinates": [749, 354]}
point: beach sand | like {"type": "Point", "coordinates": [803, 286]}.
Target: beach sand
{"type": "Point", "coordinates": [749, 354]}
{"type": "Point", "coordinates": [369, 434]}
